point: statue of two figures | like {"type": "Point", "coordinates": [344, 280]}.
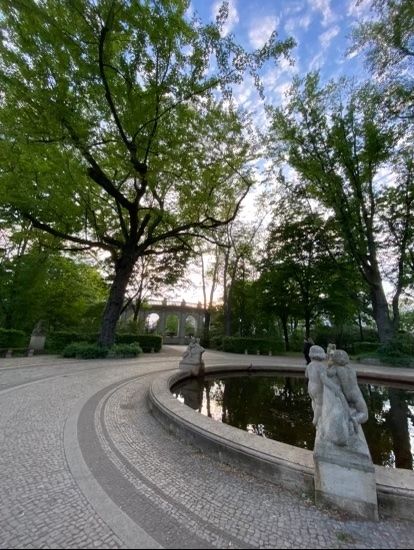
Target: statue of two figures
{"type": "Point", "coordinates": [344, 473]}
{"type": "Point", "coordinates": [338, 405]}
{"type": "Point", "coordinates": [192, 358]}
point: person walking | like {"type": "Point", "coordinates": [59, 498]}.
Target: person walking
{"type": "Point", "coordinates": [307, 344]}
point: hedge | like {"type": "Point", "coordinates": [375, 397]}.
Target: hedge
{"type": "Point", "coordinates": [57, 341]}
{"type": "Point", "coordinates": [85, 350]}
{"type": "Point", "coordinates": [12, 338]}
{"type": "Point", "coordinates": [149, 342]}
{"type": "Point", "coordinates": [364, 347]}
{"type": "Point", "coordinates": [233, 344]}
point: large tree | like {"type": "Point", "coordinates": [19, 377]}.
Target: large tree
{"type": "Point", "coordinates": [114, 133]}
{"type": "Point", "coordinates": [339, 145]}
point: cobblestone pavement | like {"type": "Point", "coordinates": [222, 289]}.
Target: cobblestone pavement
{"type": "Point", "coordinates": [83, 464]}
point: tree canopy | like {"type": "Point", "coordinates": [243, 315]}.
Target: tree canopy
{"type": "Point", "coordinates": [117, 132]}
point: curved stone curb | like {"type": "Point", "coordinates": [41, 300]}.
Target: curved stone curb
{"type": "Point", "coordinates": [265, 458]}
{"type": "Point", "coordinates": [131, 535]}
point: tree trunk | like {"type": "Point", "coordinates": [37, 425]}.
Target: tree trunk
{"type": "Point", "coordinates": [285, 332]}
{"type": "Point", "coordinates": [381, 314]}
{"type": "Point", "coordinates": [123, 271]}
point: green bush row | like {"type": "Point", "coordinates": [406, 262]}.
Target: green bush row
{"type": "Point", "coordinates": [233, 344]}
{"type": "Point", "coordinates": [57, 341]}
{"type": "Point", "coordinates": [12, 338]}
{"type": "Point", "coordinates": [363, 347]}
{"type": "Point", "coordinates": [85, 350]}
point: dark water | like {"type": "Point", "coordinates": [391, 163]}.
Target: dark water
{"type": "Point", "coordinates": [282, 405]}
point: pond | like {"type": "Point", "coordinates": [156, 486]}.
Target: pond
{"type": "Point", "coordinates": [279, 406]}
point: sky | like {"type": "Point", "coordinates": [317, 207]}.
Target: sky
{"type": "Point", "coordinates": [321, 30]}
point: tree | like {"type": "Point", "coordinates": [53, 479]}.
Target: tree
{"type": "Point", "coordinates": [113, 133]}
{"type": "Point", "coordinates": [338, 145]}
{"type": "Point", "coordinates": [40, 285]}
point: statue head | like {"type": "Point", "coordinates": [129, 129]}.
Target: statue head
{"type": "Point", "coordinates": [317, 353]}
{"type": "Point", "coordinates": [340, 357]}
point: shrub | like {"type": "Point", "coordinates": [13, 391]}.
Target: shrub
{"type": "Point", "coordinates": [149, 342]}
{"type": "Point", "coordinates": [12, 338]}
{"type": "Point", "coordinates": [364, 347]}
{"type": "Point", "coordinates": [234, 344]}
{"type": "Point", "coordinates": [57, 341]}
{"type": "Point", "coordinates": [125, 350]}
{"type": "Point", "coordinates": [85, 350]}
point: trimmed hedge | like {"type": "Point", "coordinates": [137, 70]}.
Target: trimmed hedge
{"type": "Point", "coordinates": [233, 344]}
{"type": "Point", "coordinates": [364, 347]}
{"type": "Point", "coordinates": [12, 338]}
{"type": "Point", "coordinates": [85, 350]}
{"type": "Point", "coordinates": [57, 341]}
{"type": "Point", "coordinates": [149, 342]}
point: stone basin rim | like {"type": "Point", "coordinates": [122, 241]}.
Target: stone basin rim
{"type": "Point", "coordinates": [268, 459]}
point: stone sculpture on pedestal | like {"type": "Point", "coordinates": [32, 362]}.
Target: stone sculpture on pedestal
{"type": "Point", "coordinates": [344, 473]}
{"type": "Point", "coordinates": [191, 358]}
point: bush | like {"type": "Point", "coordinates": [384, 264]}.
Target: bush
{"type": "Point", "coordinates": [364, 347]}
{"type": "Point", "coordinates": [149, 342]}
{"type": "Point", "coordinates": [85, 350]}
{"type": "Point", "coordinates": [402, 344]}
{"type": "Point", "coordinates": [234, 344]}
{"type": "Point", "coordinates": [125, 350]}
{"type": "Point", "coordinates": [12, 338]}
{"type": "Point", "coordinates": [57, 341]}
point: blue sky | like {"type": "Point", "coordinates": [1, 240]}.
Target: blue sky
{"type": "Point", "coordinates": [321, 29]}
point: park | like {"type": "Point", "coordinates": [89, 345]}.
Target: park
{"type": "Point", "coordinates": [206, 274]}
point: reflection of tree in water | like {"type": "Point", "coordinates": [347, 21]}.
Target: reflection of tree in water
{"type": "Point", "coordinates": [283, 406]}
{"type": "Point", "coordinates": [398, 418]}
{"type": "Point", "coordinates": [387, 428]}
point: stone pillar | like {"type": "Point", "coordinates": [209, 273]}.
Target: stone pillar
{"type": "Point", "coordinates": [181, 328]}
{"type": "Point", "coordinates": [345, 477]}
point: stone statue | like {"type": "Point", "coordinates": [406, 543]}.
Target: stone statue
{"type": "Point", "coordinates": [315, 384]}
{"type": "Point", "coordinates": [344, 472]}
{"type": "Point", "coordinates": [191, 358]}
{"type": "Point", "coordinates": [344, 407]}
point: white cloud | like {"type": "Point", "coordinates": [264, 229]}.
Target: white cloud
{"type": "Point", "coordinates": [293, 23]}
{"type": "Point", "coordinates": [358, 8]}
{"type": "Point", "coordinates": [233, 16]}
{"type": "Point", "coordinates": [324, 6]}
{"type": "Point", "coordinates": [261, 30]}
{"type": "Point", "coordinates": [317, 61]}
{"type": "Point", "coordinates": [326, 37]}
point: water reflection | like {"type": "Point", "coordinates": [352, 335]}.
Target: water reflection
{"type": "Point", "coordinates": [283, 406]}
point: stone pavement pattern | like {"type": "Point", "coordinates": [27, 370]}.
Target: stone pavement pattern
{"type": "Point", "coordinates": [176, 495]}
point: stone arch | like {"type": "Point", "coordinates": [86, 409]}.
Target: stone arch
{"type": "Point", "coordinates": [172, 324]}
{"type": "Point", "coordinates": [191, 325]}
{"type": "Point", "coordinates": [152, 322]}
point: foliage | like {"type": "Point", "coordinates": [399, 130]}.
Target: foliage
{"type": "Point", "coordinates": [364, 347]}
{"type": "Point", "coordinates": [58, 340]}
{"type": "Point", "coordinates": [150, 342]}
{"type": "Point", "coordinates": [387, 39]}
{"type": "Point", "coordinates": [234, 344]}
{"type": "Point", "coordinates": [124, 350]}
{"type": "Point", "coordinates": [117, 134]}
{"type": "Point", "coordinates": [85, 350]}
{"type": "Point", "coordinates": [12, 338]}
{"type": "Point", "coordinates": [43, 285]}
{"type": "Point", "coordinates": [338, 145]}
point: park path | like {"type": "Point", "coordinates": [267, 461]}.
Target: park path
{"type": "Point", "coordinates": [83, 464]}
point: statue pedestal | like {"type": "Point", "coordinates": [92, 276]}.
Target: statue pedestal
{"type": "Point", "coordinates": [196, 369]}
{"type": "Point", "coordinates": [345, 477]}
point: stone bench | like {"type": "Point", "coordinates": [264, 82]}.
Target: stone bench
{"type": "Point", "coordinates": [10, 352]}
